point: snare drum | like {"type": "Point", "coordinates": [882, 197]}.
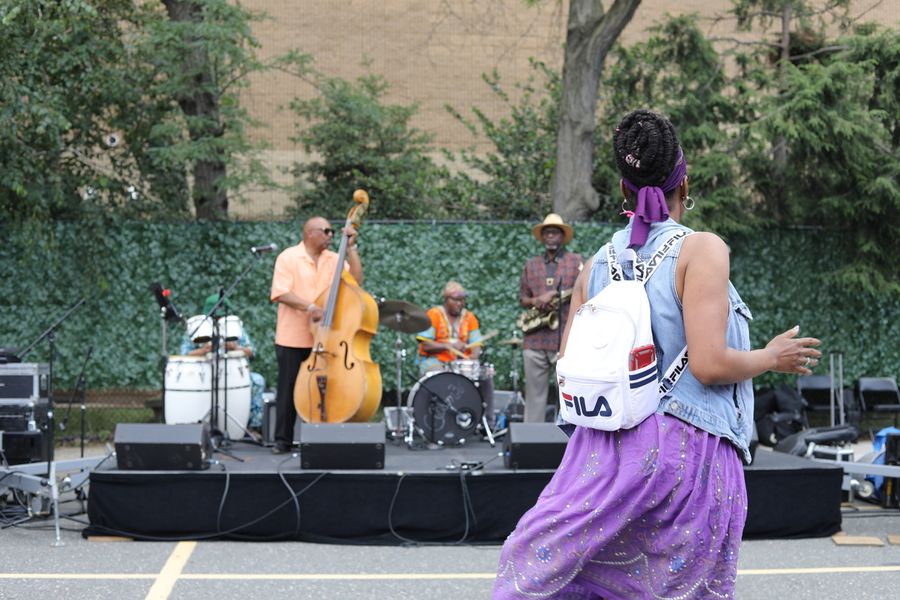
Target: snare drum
{"type": "Point", "coordinates": [470, 369]}
{"type": "Point", "coordinates": [446, 407]}
{"type": "Point", "coordinates": [189, 391]}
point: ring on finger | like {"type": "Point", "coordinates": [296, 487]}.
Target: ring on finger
{"type": "Point", "coordinates": [806, 364]}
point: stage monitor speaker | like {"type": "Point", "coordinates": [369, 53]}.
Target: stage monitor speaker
{"type": "Point", "coordinates": [342, 445]}
{"type": "Point", "coordinates": [159, 447]}
{"type": "Point", "coordinates": [534, 446]}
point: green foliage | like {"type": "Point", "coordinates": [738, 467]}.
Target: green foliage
{"type": "Point", "coordinates": [513, 180]}
{"type": "Point", "coordinates": [74, 73]}
{"type": "Point", "coordinates": [362, 142]}
{"type": "Point", "coordinates": [777, 273]}
{"type": "Point", "coordinates": [842, 166]}
{"type": "Point", "coordinates": [810, 13]}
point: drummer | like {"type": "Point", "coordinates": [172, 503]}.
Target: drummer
{"type": "Point", "coordinates": [454, 333]}
{"type": "Point", "coordinates": [202, 346]}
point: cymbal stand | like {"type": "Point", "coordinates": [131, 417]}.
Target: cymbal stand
{"type": "Point", "coordinates": [517, 396]}
{"type": "Point", "coordinates": [400, 354]}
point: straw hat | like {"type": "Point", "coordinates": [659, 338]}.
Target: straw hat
{"type": "Point", "coordinates": [553, 220]}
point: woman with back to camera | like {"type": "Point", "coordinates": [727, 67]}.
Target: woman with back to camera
{"type": "Point", "coordinates": [657, 511]}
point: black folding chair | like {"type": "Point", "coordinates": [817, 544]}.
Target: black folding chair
{"type": "Point", "coordinates": [816, 390]}
{"type": "Point", "coordinates": [879, 394]}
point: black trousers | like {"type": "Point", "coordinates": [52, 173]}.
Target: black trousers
{"type": "Point", "coordinates": [289, 360]}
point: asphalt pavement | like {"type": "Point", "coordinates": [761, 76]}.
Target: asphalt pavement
{"type": "Point", "coordinates": [31, 566]}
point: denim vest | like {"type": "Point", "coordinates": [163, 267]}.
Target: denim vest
{"type": "Point", "coordinates": [722, 410]}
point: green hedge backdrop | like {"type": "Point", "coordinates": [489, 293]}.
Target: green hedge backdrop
{"type": "Point", "coordinates": [47, 268]}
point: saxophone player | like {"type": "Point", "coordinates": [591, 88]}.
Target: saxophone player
{"type": "Point", "coordinates": [544, 289]}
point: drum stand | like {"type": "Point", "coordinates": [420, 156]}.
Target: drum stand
{"type": "Point", "coordinates": [404, 426]}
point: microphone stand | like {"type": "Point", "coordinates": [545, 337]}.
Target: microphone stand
{"type": "Point", "coordinates": [214, 400]}
{"type": "Point", "coordinates": [51, 426]}
{"type": "Point", "coordinates": [80, 392]}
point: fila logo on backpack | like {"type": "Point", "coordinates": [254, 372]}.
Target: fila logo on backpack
{"type": "Point", "coordinates": [608, 377]}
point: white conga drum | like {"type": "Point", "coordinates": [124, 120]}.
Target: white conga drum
{"type": "Point", "coordinates": [189, 391]}
{"type": "Point", "coordinates": [234, 394]}
{"type": "Point", "coordinates": [188, 384]}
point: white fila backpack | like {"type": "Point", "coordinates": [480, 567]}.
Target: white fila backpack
{"type": "Point", "coordinates": [608, 377]}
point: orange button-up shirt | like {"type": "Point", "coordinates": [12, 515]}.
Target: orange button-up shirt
{"type": "Point", "coordinates": [295, 271]}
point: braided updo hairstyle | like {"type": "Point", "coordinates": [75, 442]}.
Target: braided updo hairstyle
{"type": "Point", "coordinates": [646, 148]}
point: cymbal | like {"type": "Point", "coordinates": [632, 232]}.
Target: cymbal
{"type": "Point", "coordinates": [403, 316]}
{"type": "Point", "coordinates": [514, 341]}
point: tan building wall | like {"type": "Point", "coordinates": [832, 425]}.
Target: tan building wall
{"type": "Point", "coordinates": [432, 52]}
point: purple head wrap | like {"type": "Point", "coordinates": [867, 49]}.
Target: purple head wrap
{"type": "Point", "coordinates": [651, 202]}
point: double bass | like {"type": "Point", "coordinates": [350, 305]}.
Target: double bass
{"type": "Point", "coordinates": [339, 382]}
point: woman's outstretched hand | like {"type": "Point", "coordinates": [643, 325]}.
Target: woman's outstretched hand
{"type": "Point", "coordinates": [793, 354]}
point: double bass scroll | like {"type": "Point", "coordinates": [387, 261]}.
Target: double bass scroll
{"type": "Point", "coordinates": [339, 382]}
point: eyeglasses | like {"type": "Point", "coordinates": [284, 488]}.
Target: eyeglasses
{"type": "Point", "coordinates": [456, 298]}
{"type": "Point", "coordinates": [325, 230]}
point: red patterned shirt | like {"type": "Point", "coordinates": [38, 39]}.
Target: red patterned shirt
{"type": "Point", "coordinates": [543, 274]}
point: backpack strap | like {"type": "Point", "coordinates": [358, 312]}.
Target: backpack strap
{"type": "Point", "coordinates": [676, 369]}
{"type": "Point", "coordinates": [615, 271]}
{"type": "Point", "coordinates": [643, 270]}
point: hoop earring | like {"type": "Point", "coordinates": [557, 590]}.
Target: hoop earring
{"type": "Point", "coordinates": [624, 203]}
{"type": "Point", "coordinates": [688, 203]}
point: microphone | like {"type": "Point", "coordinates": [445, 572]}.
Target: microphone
{"type": "Point", "coordinates": [164, 299]}
{"type": "Point", "coordinates": [264, 249]}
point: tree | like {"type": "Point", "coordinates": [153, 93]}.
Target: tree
{"type": "Point", "coordinates": [512, 181]}
{"type": "Point", "coordinates": [88, 97]}
{"type": "Point", "coordinates": [69, 87]}
{"type": "Point", "coordinates": [207, 55]}
{"type": "Point", "coordinates": [364, 143]}
{"type": "Point", "coordinates": [809, 20]}
{"type": "Point", "coordinates": [838, 117]}
{"type": "Point", "coordinates": [591, 33]}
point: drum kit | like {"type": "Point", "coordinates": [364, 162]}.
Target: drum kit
{"type": "Point", "coordinates": [444, 407]}
{"type": "Point", "coordinates": [214, 387]}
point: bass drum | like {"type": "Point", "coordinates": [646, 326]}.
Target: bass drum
{"type": "Point", "coordinates": [446, 407]}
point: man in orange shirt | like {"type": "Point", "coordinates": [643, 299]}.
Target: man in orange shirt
{"type": "Point", "coordinates": [302, 273]}
{"type": "Point", "coordinates": [453, 334]}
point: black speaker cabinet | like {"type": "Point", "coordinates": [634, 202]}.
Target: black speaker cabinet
{"type": "Point", "coordinates": [21, 447]}
{"type": "Point", "coordinates": [342, 445]}
{"type": "Point", "coordinates": [159, 447]}
{"type": "Point", "coordinates": [534, 446]}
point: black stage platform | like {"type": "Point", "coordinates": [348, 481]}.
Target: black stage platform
{"type": "Point", "coordinates": [421, 496]}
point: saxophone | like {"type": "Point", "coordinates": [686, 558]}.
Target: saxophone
{"type": "Point", "coordinates": [534, 318]}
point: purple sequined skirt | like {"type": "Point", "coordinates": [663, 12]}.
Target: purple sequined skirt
{"type": "Point", "coordinates": [651, 512]}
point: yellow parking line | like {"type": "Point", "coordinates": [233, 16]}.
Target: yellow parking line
{"type": "Point", "coordinates": [172, 572]}
{"type": "Point", "coordinates": [340, 576]}
{"type": "Point", "coordinates": [166, 579]}
{"type": "Point", "coordinates": [819, 570]}
{"type": "Point", "coordinates": [78, 575]}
